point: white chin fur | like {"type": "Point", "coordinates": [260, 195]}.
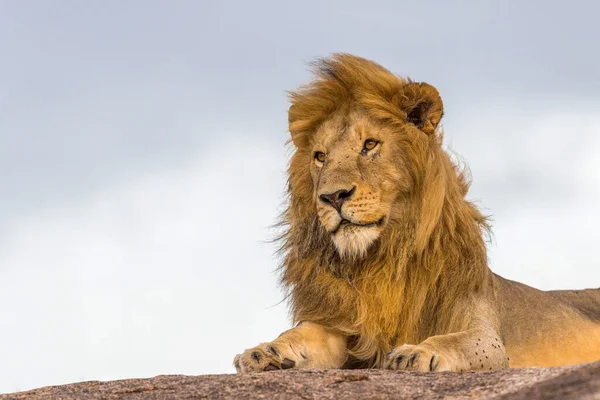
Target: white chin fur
{"type": "Point", "coordinates": [355, 242]}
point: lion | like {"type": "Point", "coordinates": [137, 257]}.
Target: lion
{"type": "Point", "coordinates": [384, 259]}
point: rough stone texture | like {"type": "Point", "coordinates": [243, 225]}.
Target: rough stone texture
{"type": "Point", "coordinates": [576, 382]}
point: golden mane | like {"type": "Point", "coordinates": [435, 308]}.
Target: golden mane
{"type": "Point", "coordinates": [423, 267]}
{"type": "Point", "coordinates": [343, 80]}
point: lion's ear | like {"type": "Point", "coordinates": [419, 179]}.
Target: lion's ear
{"type": "Point", "coordinates": [423, 106]}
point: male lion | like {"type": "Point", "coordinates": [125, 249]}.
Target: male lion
{"type": "Point", "coordinates": [385, 260]}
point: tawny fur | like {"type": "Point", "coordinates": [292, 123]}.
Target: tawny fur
{"type": "Point", "coordinates": [426, 273]}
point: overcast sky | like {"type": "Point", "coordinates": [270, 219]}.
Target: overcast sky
{"type": "Point", "coordinates": [143, 158]}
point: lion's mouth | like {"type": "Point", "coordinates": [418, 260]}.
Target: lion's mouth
{"type": "Point", "coordinates": [345, 222]}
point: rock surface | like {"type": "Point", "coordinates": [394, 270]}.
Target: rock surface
{"type": "Point", "coordinates": [575, 382]}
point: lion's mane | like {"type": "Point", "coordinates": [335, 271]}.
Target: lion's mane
{"type": "Point", "coordinates": [424, 266]}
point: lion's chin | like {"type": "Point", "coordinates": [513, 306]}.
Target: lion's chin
{"type": "Point", "coordinates": [355, 241]}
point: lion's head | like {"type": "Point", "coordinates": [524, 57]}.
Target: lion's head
{"type": "Point", "coordinates": [361, 135]}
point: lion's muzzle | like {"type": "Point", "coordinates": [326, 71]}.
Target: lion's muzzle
{"type": "Point", "coordinates": [337, 198]}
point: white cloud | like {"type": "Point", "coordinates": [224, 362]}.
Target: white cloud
{"type": "Point", "coordinates": [163, 273]}
{"type": "Point", "coordinates": [537, 173]}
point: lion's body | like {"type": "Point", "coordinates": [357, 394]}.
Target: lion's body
{"type": "Point", "coordinates": [548, 328]}
{"type": "Point", "coordinates": [382, 248]}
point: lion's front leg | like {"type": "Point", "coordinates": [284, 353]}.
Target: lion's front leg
{"type": "Point", "coordinates": [473, 349]}
{"type": "Point", "coordinates": [308, 345]}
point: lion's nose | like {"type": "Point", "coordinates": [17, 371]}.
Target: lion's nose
{"type": "Point", "coordinates": [336, 199]}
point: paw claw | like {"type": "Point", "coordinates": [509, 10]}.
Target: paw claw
{"type": "Point", "coordinates": [256, 356]}
{"type": "Point", "coordinates": [433, 363]}
{"type": "Point", "coordinates": [411, 360]}
{"type": "Point", "coordinates": [287, 363]}
{"type": "Point", "coordinates": [399, 360]}
{"type": "Point", "coordinates": [273, 350]}
{"type": "Point", "coordinates": [271, 367]}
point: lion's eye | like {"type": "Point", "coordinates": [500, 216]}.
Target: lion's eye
{"type": "Point", "coordinates": [370, 144]}
{"type": "Point", "coordinates": [320, 156]}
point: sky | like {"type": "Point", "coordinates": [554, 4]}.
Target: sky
{"type": "Point", "coordinates": [142, 145]}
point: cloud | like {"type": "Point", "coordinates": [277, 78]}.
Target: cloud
{"type": "Point", "coordinates": [165, 272]}
{"type": "Point", "coordinates": [537, 175]}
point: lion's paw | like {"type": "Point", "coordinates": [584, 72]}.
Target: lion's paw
{"type": "Point", "coordinates": [417, 358]}
{"type": "Point", "coordinates": [265, 357]}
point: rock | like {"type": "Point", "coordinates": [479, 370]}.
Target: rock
{"type": "Point", "coordinates": [574, 382]}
